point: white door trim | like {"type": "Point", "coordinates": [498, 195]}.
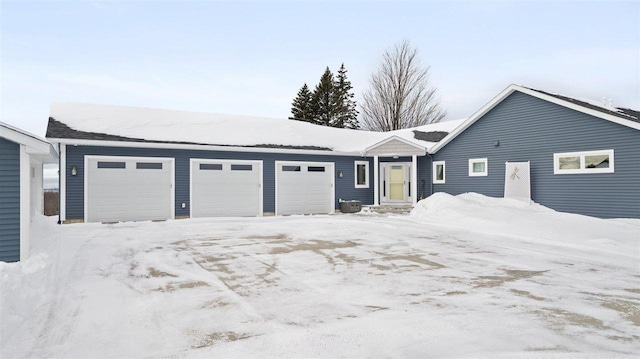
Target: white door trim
{"type": "Point", "coordinates": [408, 178]}
{"type": "Point", "coordinates": [298, 163]}
{"type": "Point", "coordinates": [226, 161]}
{"type": "Point", "coordinates": [171, 160]}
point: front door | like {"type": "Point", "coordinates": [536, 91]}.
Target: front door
{"type": "Point", "coordinates": [395, 182]}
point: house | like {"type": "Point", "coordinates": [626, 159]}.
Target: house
{"type": "Point", "coordinates": [582, 154]}
{"type": "Point", "coordinates": [21, 158]}
{"type": "Point", "coordinates": [122, 163]}
{"type": "Point", "coordinates": [126, 163]}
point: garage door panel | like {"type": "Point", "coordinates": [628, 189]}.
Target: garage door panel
{"type": "Point", "coordinates": [130, 192]}
{"type": "Point", "coordinates": [306, 190]}
{"type": "Point", "coordinates": [226, 188]}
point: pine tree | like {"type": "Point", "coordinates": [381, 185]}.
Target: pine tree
{"type": "Point", "coordinates": [346, 115]}
{"type": "Point", "coordinates": [323, 103]}
{"type": "Point", "coordinates": [301, 109]}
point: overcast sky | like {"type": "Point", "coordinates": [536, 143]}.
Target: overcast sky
{"type": "Point", "coordinates": [251, 58]}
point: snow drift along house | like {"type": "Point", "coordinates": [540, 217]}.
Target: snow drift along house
{"type": "Point", "coordinates": [21, 158]}
{"type": "Point", "coordinates": [126, 163]}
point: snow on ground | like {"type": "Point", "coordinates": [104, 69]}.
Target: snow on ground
{"type": "Point", "coordinates": [464, 276]}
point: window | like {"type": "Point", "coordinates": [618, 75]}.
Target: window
{"type": "Point", "coordinates": [149, 165]}
{"type": "Point", "coordinates": [438, 172]}
{"type": "Point", "coordinates": [291, 168]}
{"type": "Point", "coordinates": [103, 164]}
{"type": "Point", "coordinates": [583, 162]}
{"type": "Point", "coordinates": [361, 169]}
{"type": "Point", "coordinates": [242, 167]}
{"type": "Point", "coordinates": [478, 167]}
{"type": "Point", "coordinates": [211, 166]}
{"type": "Point", "coordinates": [315, 169]}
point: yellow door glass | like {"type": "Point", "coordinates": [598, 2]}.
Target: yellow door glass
{"type": "Point", "coordinates": [396, 183]}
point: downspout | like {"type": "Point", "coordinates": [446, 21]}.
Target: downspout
{"type": "Point", "coordinates": [59, 184]}
{"type": "Point", "coordinates": [431, 179]}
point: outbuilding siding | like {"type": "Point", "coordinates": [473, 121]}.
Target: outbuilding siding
{"type": "Point", "coordinates": [531, 129]}
{"type": "Point", "coordinates": [344, 186]}
{"type": "Point", "coordinates": [9, 201]}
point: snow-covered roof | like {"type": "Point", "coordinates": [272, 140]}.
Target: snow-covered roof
{"type": "Point", "coordinates": [621, 116]}
{"type": "Point", "coordinates": [136, 124]}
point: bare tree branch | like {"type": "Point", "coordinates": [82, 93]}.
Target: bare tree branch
{"type": "Point", "coordinates": [399, 94]}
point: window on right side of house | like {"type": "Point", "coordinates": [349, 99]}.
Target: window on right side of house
{"type": "Point", "coordinates": [478, 167]}
{"type": "Point", "coordinates": [439, 172]}
{"type": "Point", "coordinates": [583, 162]}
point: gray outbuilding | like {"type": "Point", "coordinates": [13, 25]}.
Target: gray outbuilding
{"type": "Point", "coordinates": [22, 156]}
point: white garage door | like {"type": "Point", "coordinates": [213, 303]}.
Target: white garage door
{"type": "Point", "coordinates": [225, 188]}
{"type": "Point", "coordinates": [304, 188]}
{"type": "Point", "coordinates": [128, 189]}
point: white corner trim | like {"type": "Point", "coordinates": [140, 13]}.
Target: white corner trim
{"type": "Point", "coordinates": [25, 203]}
{"type": "Point", "coordinates": [62, 173]}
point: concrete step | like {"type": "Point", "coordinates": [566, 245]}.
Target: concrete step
{"type": "Point", "coordinates": [389, 208]}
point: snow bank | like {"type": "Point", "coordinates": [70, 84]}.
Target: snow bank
{"type": "Point", "coordinates": [476, 212]}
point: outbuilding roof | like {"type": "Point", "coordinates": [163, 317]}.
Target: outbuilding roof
{"type": "Point", "coordinates": [91, 122]}
{"type": "Point", "coordinates": [35, 145]}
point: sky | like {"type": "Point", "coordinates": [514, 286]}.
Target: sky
{"type": "Point", "coordinates": [252, 57]}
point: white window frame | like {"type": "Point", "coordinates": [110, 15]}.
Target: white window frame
{"type": "Point", "coordinates": [582, 169]}
{"type": "Point", "coordinates": [478, 160]}
{"type": "Point", "coordinates": [355, 174]}
{"type": "Point", "coordinates": [434, 172]}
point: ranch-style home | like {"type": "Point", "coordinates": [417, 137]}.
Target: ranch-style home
{"type": "Point", "coordinates": [22, 156]}
{"type": "Point", "coordinates": [125, 163]}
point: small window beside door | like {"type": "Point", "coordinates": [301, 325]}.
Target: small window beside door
{"type": "Point", "coordinates": [361, 169]}
{"type": "Point", "coordinates": [439, 172]}
{"type": "Point", "coordinates": [478, 167]}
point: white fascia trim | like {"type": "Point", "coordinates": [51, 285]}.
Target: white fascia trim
{"type": "Point", "coordinates": [33, 143]}
{"type": "Point", "coordinates": [179, 146]}
{"type": "Point", "coordinates": [25, 202]}
{"type": "Point", "coordinates": [588, 111]}
{"type": "Point", "coordinates": [387, 140]}
{"type": "Point", "coordinates": [508, 91]}
{"type": "Point", "coordinates": [471, 120]}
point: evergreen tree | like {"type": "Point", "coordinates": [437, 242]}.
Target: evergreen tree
{"type": "Point", "coordinates": [346, 115]}
{"type": "Point", "coordinates": [324, 100]}
{"type": "Point", "coordinates": [301, 109]}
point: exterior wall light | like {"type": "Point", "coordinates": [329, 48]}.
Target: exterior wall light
{"type": "Point", "coordinates": [340, 174]}
{"type": "Point", "coordinates": [74, 171]}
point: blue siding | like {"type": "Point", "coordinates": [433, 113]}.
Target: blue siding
{"type": "Point", "coordinates": [9, 201]}
{"type": "Point", "coordinates": [531, 129]}
{"type": "Point", "coordinates": [344, 189]}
